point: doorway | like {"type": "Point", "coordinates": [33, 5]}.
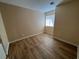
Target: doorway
{"type": "Point", "coordinates": [49, 23]}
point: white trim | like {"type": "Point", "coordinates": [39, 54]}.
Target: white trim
{"type": "Point", "coordinates": [8, 49]}
{"type": "Point", "coordinates": [25, 37]}
{"type": "Point", "coordinates": [3, 35]}
{"type": "Point", "coordinates": [7, 52]}
{"type": "Point", "coordinates": [65, 41]}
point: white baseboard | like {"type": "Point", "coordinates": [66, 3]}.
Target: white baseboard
{"type": "Point", "coordinates": [65, 41]}
{"type": "Point", "coordinates": [24, 37]}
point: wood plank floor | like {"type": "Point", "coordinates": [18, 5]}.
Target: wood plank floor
{"type": "Point", "coordinates": [42, 46]}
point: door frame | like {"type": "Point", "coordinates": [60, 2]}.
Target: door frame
{"type": "Point", "coordinates": [3, 35]}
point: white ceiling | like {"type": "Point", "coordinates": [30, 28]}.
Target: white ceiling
{"type": "Point", "coordinates": [41, 5]}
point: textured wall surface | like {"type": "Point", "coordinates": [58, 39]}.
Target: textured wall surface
{"type": "Point", "coordinates": [67, 22]}
{"type": "Point", "coordinates": [20, 22]}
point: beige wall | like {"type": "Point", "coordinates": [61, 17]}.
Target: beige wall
{"type": "Point", "coordinates": [50, 13]}
{"type": "Point", "coordinates": [20, 22]}
{"type": "Point", "coordinates": [67, 22]}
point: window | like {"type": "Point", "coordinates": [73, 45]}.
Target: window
{"type": "Point", "coordinates": [50, 20]}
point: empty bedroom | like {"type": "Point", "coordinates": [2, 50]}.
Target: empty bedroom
{"type": "Point", "coordinates": [39, 29]}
